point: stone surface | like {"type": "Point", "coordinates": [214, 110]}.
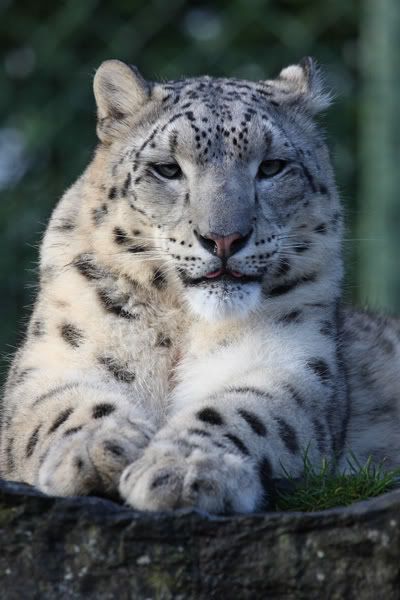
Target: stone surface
{"type": "Point", "coordinates": [92, 548]}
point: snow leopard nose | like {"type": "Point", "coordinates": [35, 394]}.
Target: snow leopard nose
{"type": "Point", "coordinates": [223, 245]}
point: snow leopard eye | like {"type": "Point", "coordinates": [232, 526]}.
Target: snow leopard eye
{"type": "Point", "coordinates": [270, 168]}
{"type": "Point", "coordinates": [168, 170]}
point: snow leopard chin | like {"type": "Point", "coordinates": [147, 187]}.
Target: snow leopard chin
{"type": "Point", "coordinates": [224, 302]}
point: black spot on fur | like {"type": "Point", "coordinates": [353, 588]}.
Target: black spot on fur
{"type": "Point", "coordinates": [79, 463]}
{"type": "Point", "coordinates": [238, 443]}
{"type": "Point", "coordinates": [120, 236]}
{"type": "Point", "coordinates": [249, 390]}
{"type": "Point", "coordinates": [301, 247]}
{"type": "Point", "coordinates": [136, 249]}
{"type": "Point", "coordinates": [102, 410]}
{"type": "Point", "coordinates": [54, 392]}
{"type": "Point", "coordinates": [321, 228]}
{"type": "Point", "coordinates": [71, 334]}
{"type": "Point", "coordinates": [115, 306]}
{"type": "Point", "coordinates": [10, 455]}
{"type": "Point", "coordinates": [112, 193]}
{"type": "Point", "coordinates": [43, 456]}
{"type": "Point", "coordinates": [320, 368]}
{"type": "Point", "coordinates": [126, 185]}
{"type": "Point", "coordinates": [160, 480]}
{"type": "Point", "coordinates": [99, 214]}
{"type": "Point", "coordinates": [327, 328]}
{"type": "Point", "coordinates": [201, 432]}
{"type": "Point", "coordinates": [310, 179]}
{"type": "Point", "coordinates": [283, 268]}
{"type": "Point", "coordinates": [210, 415]}
{"type": "Point", "coordinates": [317, 304]}
{"type": "Point", "coordinates": [163, 341]}
{"type": "Point", "coordinates": [62, 417]}
{"type": "Point", "coordinates": [173, 140]}
{"type": "Point", "coordinates": [291, 285]}
{"type": "Point", "coordinates": [187, 447]}
{"type": "Point", "coordinates": [113, 448]}
{"type": "Point", "coordinates": [117, 370]}
{"type": "Point", "coordinates": [386, 345]}
{"type": "Point", "coordinates": [115, 113]}
{"type": "Point", "coordinates": [72, 430]}
{"type": "Point", "coordinates": [21, 376]}
{"type": "Point", "coordinates": [292, 317]}
{"type": "Point", "coordinates": [159, 279]}
{"type": "Point", "coordinates": [320, 434]}
{"type": "Point", "coordinates": [322, 189]}
{"type": "Point", "coordinates": [87, 266]}
{"type": "Point", "coordinates": [288, 435]}
{"type": "Point", "coordinates": [294, 393]}
{"type": "Point", "coordinates": [190, 115]}
{"type": "Point", "coordinates": [33, 440]}
{"type": "Point", "coordinates": [265, 474]}
{"type": "Point", "coordinates": [38, 328]}
{"type": "Point", "coordinates": [64, 225]}
{"type": "Point", "coordinates": [254, 421]}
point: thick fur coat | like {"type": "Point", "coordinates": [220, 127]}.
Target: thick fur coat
{"type": "Point", "coordinates": [188, 339]}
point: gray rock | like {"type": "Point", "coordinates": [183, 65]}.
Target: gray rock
{"type": "Point", "coordinates": [93, 548]}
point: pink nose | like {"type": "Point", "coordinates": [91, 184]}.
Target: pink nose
{"type": "Point", "coordinates": [224, 243]}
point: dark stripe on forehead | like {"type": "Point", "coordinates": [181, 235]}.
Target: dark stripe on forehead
{"type": "Point", "coordinates": [173, 141]}
{"type": "Point", "coordinates": [171, 120]}
{"type": "Point", "coordinates": [148, 140]}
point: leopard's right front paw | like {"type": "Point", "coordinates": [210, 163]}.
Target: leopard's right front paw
{"type": "Point", "coordinates": [212, 479]}
{"type": "Point", "coordinates": [91, 460]}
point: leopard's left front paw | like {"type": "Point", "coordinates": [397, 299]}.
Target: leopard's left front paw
{"type": "Point", "coordinates": [215, 480]}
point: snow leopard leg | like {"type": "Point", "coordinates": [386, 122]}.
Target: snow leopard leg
{"type": "Point", "coordinates": [222, 456]}
{"type": "Point", "coordinates": [72, 436]}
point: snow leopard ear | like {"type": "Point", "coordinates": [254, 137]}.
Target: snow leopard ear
{"type": "Point", "coordinates": [120, 91]}
{"type": "Point", "coordinates": [303, 83]}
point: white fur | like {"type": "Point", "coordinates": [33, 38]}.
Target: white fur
{"type": "Point", "coordinates": [225, 302]}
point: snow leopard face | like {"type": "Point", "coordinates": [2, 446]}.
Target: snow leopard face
{"type": "Point", "coordinates": [227, 181]}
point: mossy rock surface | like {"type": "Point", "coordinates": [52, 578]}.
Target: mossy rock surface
{"type": "Point", "coordinates": [92, 548]}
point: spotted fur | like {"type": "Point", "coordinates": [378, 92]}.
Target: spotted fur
{"type": "Point", "coordinates": [168, 365]}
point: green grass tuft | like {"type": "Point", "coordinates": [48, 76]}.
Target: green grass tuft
{"type": "Point", "coordinates": [320, 488]}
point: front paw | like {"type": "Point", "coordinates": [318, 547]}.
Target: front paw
{"type": "Point", "coordinates": [91, 460]}
{"type": "Point", "coordinates": [212, 479]}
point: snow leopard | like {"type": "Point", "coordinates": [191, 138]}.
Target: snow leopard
{"type": "Point", "coordinates": [189, 341]}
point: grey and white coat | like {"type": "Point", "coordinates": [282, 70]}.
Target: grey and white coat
{"type": "Point", "coordinates": [188, 340]}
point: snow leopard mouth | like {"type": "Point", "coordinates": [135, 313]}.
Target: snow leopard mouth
{"type": "Point", "coordinates": [221, 275]}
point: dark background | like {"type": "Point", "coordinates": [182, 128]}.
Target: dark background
{"type": "Point", "coordinates": [50, 50]}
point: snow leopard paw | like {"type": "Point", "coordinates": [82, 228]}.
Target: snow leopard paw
{"type": "Point", "coordinates": [214, 479]}
{"type": "Point", "coordinates": [91, 460]}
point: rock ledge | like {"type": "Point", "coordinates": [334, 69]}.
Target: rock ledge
{"type": "Point", "coordinates": [92, 548]}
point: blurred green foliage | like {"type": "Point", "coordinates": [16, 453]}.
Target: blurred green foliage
{"type": "Point", "coordinates": [50, 51]}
